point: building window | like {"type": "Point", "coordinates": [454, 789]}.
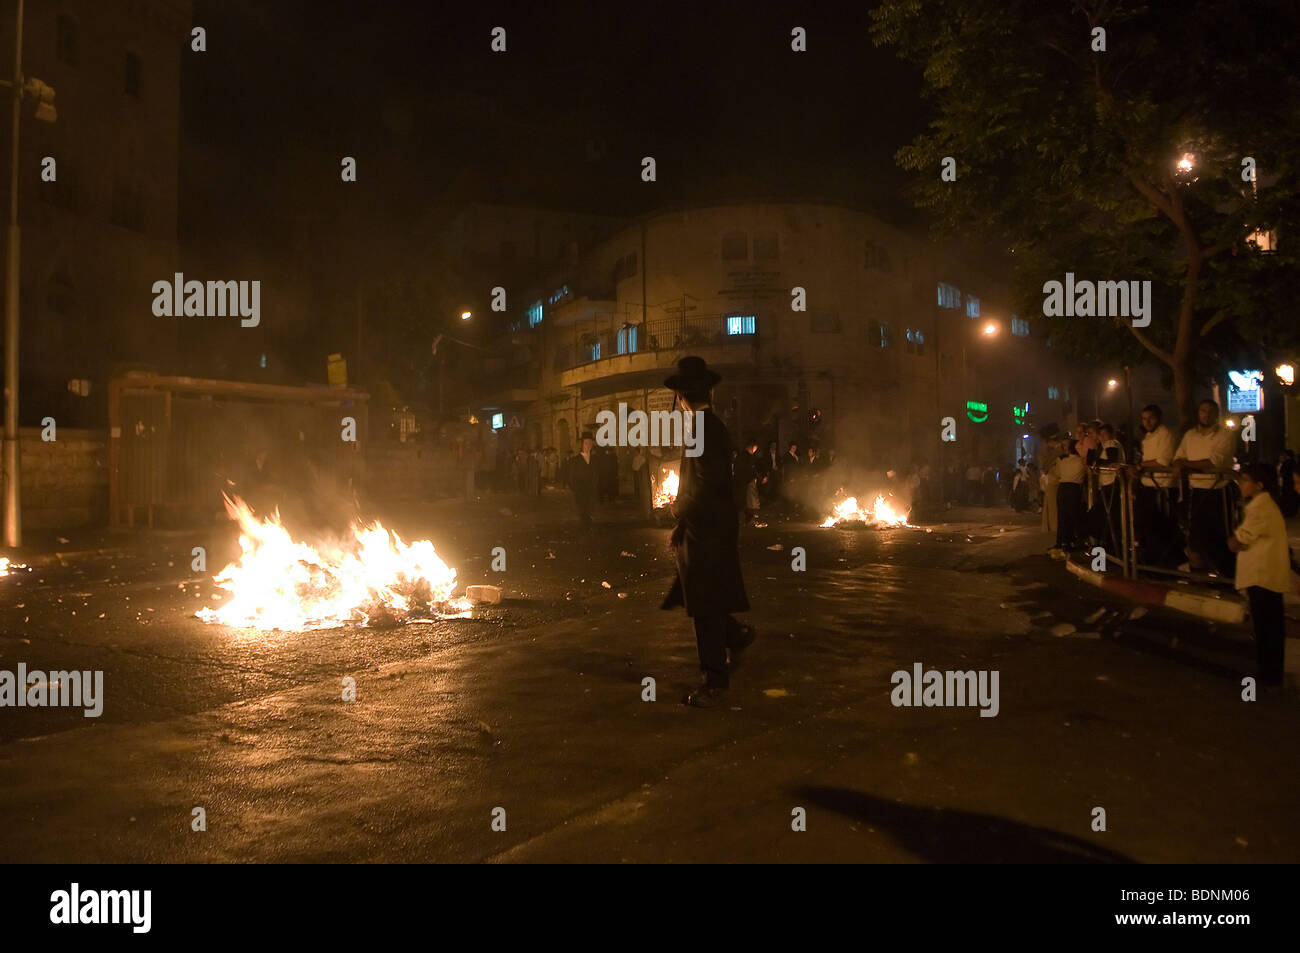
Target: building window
{"type": "Point", "coordinates": [131, 81]}
{"type": "Point", "coordinates": [886, 334]}
{"type": "Point", "coordinates": [825, 322]}
{"type": "Point", "coordinates": [128, 208]}
{"type": "Point", "coordinates": [949, 296]}
{"type": "Point", "coordinates": [766, 245]}
{"type": "Point", "coordinates": [876, 257]}
{"type": "Point", "coordinates": [972, 306]}
{"type": "Point", "coordinates": [915, 341]}
{"type": "Point", "coordinates": [627, 339]}
{"type": "Point", "coordinates": [740, 324]}
{"type": "Point", "coordinates": [625, 267]}
{"type": "Point", "coordinates": [534, 314]}
{"type": "Point", "coordinates": [1019, 327]}
{"type": "Point", "coordinates": [498, 421]}
{"type": "Point", "coordinates": [594, 351]}
{"type": "Point", "coordinates": [1053, 393]}
{"type": "Point", "coordinates": [65, 39]}
{"type": "Point", "coordinates": [735, 246]}
{"type": "Point", "coordinates": [558, 295]}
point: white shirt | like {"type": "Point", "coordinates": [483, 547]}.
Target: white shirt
{"type": "Point", "coordinates": [1116, 451]}
{"type": "Point", "coordinates": [1215, 445]}
{"type": "Point", "coordinates": [1071, 469]}
{"type": "Point", "coordinates": [1158, 445]}
{"type": "Point", "coordinates": [1265, 561]}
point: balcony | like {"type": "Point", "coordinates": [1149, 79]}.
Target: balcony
{"type": "Point", "coordinates": [609, 348]}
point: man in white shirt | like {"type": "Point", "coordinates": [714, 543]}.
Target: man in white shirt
{"type": "Point", "coordinates": [1103, 517]}
{"type": "Point", "coordinates": [1157, 531]}
{"type": "Point", "coordinates": [1071, 470]}
{"type": "Point", "coordinates": [1206, 448]}
{"type": "Point", "coordinates": [1263, 569]}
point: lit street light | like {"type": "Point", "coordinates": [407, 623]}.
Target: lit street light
{"type": "Point", "coordinates": [1285, 373]}
{"type": "Point", "coordinates": [991, 329]}
{"type": "Point", "coordinates": [466, 315]}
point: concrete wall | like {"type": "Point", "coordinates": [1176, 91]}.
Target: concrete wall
{"type": "Point", "coordinates": [64, 481]}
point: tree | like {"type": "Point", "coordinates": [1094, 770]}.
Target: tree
{"type": "Point", "coordinates": [1068, 156]}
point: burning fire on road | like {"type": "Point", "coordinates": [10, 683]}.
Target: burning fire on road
{"type": "Point", "coordinates": [882, 513]}
{"type": "Point", "coordinates": [283, 583]}
{"type": "Point", "coordinates": [666, 490]}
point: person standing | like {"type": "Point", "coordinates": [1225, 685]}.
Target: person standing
{"type": "Point", "coordinates": [1048, 455]}
{"type": "Point", "coordinates": [748, 474]}
{"type": "Point", "coordinates": [705, 541]}
{"type": "Point", "coordinates": [1070, 471]}
{"type": "Point", "coordinates": [1103, 517]}
{"type": "Point", "coordinates": [641, 482]}
{"type": "Point", "coordinates": [582, 479]}
{"type": "Point", "coordinates": [1153, 520]}
{"type": "Point", "coordinates": [1263, 570]}
{"type": "Point", "coordinates": [1205, 449]}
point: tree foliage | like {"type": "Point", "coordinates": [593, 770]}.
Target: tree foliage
{"type": "Point", "coordinates": [1068, 158]}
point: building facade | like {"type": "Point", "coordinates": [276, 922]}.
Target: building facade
{"type": "Point", "coordinates": [828, 326]}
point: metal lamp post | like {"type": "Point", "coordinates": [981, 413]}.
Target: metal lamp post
{"type": "Point", "coordinates": [13, 535]}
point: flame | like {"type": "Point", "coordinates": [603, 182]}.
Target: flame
{"type": "Point", "coordinates": [882, 513]}
{"type": "Point", "coordinates": [666, 492]}
{"type": "Point", "coordinates": [5, 566]}
{"type": "Point", "coordinates": [281, 583]}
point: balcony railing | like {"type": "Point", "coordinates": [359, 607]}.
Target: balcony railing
{"type": "Point", "coordinates": [614, 336]}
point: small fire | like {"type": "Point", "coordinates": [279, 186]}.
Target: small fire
{"type": "Point", "coordinates": [666, 492]}
{"type": "Point", "coordinates": [6, 566]}
{"type": "Point", "coordinates": [882, 513]}
{"type": "Point", "coordinates": [281, 583]}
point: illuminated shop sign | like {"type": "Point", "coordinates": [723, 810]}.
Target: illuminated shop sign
{"type": "Point", "coordinates": [977, 411]}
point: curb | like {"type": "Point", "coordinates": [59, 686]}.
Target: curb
{"type": "Point", "coordinates": [1231, 611]}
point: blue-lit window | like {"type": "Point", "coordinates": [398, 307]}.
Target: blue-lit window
{"type": "Point", "coordinates": [972, 306]}
{"type": "Point", "coordinates": [498, 421]}
{"type": "Point", "coordinates": [949, 296]}
{"type": "Point", "coordinates": [740, 324]}
{"type": "Point", "coordinates": [627, 339]}
{"type": "Point", "coordinates": [595, 351]}
{"type": "Point", "coordinates": [262, 362]}
{"type": "Point", "coordinates": [558, 295]}
{"type": "Point", "coordinates": [534, 314]}
{"type": "Point", "coordinates": [886, 334]}
{"type": "Point", "coordinates": [1019, 327]}
{"type": "Point", "coordinates": [1053, 394]}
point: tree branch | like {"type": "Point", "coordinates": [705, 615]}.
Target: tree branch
{"type": "Point", "coordinates": [1150, 345]}
{"type": "Point", "coordinates": [1218, 318]}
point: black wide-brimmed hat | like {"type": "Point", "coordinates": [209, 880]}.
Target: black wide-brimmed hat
{"type": "Point", "coordinates": [692, 374]}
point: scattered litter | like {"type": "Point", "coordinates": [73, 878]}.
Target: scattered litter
{"type": "Point", "coordinates": [1062, 628]}
{"type": "Point", "coordinates": [1096, 615]}
{"type": "Point", "coordinates": [1241, 842]}
{"type": "Point", "coordinates": [910, 758]}
{"type": "Point", "coordinates": [775, 546]}
{"type": "Point", "coordinates": [487, 594]}
{"type": "Point", "coordinates": [550, 555]}
{"type": "Point", "coordinates": [605, 585]}
{"type": "Point", "coordinates": [622, 595]}
{"type": "Point", "coordinates": [775, 692]}
{"type": "Point", "coordinates": [626, 553]}
{"type": "Point", "coordinates": [1138, 612]}
{"type": "Point", "coordinates": [64, 539]}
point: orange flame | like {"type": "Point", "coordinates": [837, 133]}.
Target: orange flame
{"type": "Point", "coordinates": [882, 513]}
{"type": "Point", "coordinates": [666, 492]}
{"type": "Point", "coordinates": [281, 583]}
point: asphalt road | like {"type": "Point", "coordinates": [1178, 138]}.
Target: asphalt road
{"type": "Point", "coordinates": [536, 707]}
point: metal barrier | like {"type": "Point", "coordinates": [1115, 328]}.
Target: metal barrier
{"type": "Point", "coordinates": [1177, 510]}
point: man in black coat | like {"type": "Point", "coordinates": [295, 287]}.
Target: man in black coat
{"type": "Point", "coordinates": [582, 479]}
{"type": "Point", "coordinates": [705, 541]}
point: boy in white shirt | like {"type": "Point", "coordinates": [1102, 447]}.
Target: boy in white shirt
{"type": "Point", "coordinates": [1263, 569]}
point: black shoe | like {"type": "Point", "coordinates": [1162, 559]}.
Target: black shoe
{"type": "Point", "coordinates": [706, 696]}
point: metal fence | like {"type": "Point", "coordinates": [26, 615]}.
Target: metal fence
{"type": "Point", "coordinates": [1167, 508]}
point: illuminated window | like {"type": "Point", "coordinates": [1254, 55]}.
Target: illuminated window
{"type": "Point", "coordinates": [627, 339]}
{"type": "Point", "coordinates": [1019, 327]}
{"type": "Point", "coordinates": [915, 342]}
{"type": "Point", "coordinates": [972, 306]}
{"type": "Point", "coordinates": [534, 314]}
{"type": "Point", "coordinates": [740, 324]}
{"type": "Point", "coordinates": [1053, 394]}
{"type": "Point", "coordinates": [886, 334]}
{"type": "Point", "coordinates": [498, 421]}
{"type": "Point", "coordinates": [558, 295]}
{"type": "Point", "coordinates": [949, 296]}
{"type": "Point", "coordinates": [595, 351]}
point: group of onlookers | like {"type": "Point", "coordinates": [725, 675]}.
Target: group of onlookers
{"type": "Point", "coordinates": [1184, 499]}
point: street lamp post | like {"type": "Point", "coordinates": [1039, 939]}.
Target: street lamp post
{"type": "Point", "coordinates": [13, 535]}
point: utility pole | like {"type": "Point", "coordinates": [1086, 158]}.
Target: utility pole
{"type": "Point", "coordinates": [13, 530]}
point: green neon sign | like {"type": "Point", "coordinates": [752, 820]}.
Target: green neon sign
{"type": "Point", "coordinates": [977, 411]}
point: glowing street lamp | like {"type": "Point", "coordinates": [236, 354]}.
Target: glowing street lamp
{"type": "Point", "coordinates": [466, 315]}
{"type": "Point", "coordinates": [1187, 162]}
{"type": "Point", "coordinates": [1112, 383]}
{"type": "Point", "coordinates": [990, 329]}
{"type": "Point", "coordinates": [1285, 373]}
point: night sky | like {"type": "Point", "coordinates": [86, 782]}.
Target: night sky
{"type": "Point", "coordinates": [414, 92]}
